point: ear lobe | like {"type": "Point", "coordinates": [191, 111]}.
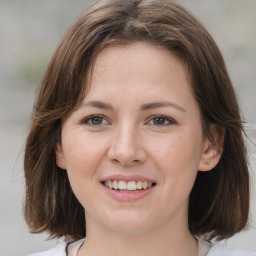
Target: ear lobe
{"type": "Point", "coordinates": [213, 148]}
{"type": "Point", "coordinates": [60, 160]}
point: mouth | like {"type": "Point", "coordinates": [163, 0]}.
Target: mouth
{"type": "Point", "coordinates": [128, 186]}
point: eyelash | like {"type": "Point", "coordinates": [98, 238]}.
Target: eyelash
{"type": "Point", "coordinates": [88, 121]}
{"type": "Point", "coordinates": [90, 118]}
{"type": "Point", "coordinates": [164, 118]}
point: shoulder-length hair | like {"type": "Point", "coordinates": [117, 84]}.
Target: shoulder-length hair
{"type": "Point", "coordinates": [219, 200]}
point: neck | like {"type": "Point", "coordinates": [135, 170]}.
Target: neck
{"type": "Point", "coordinates": [164, 241]}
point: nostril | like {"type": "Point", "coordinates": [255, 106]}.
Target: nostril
{"type": "Point", "coordinates": [125, 162]}
{"type": "Point", "coordinates": [115, 161]}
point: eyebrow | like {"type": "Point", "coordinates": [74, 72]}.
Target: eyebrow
{"type": "Point", "coordinates": [97, 104]}
{"type": "Point", "coordinates": [161, 104]}
{"type": "Point", "coordinates": [148, 106]}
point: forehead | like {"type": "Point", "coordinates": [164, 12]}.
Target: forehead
{"type": "Point", "coordinates": [142, 71]}
{"type": "Point", "coordinates": [150, 52]}
{"type": "Point", "coordinates": [126, 62]}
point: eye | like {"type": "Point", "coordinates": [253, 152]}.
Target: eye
{"type": "Point", "coordinates": [95, 120]}
{"type": "Point", "coordinates": [161, 121]}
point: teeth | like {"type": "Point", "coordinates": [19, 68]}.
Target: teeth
{"type": "Point", "coordinates": [128, 186]}
{"type": "Point", "coordinates": [144, 185]}
{"type": "Point", "coordinates": [115, 184]}
{"type": "Point", "coordinates": [110, 184]}
{"type": "Point", "coordinates": [139, 185]}
{"type": "Point", "coordinates": [131, 185]}
{"type": "Point", "coordinates": [122, 185]}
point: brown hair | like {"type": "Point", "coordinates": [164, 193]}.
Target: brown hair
{"type": "Point", "coordinates": [219, 200]}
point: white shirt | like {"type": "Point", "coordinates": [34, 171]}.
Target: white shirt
{"type": "Point", "coordinates": [214, 249]}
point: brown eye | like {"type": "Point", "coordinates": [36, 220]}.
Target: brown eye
{"type": "Point", "coordinates": [95, 121]}
{"type": "Point", "coordinates": [161, 121]}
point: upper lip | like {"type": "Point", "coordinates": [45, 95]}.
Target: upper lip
{"type": "Point", "coordinates": [127, 178]}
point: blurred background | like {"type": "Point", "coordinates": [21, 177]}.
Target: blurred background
{"type": "Point", "coordinates": [29, 33]}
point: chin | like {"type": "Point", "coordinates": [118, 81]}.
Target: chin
{"type": "Point", "coordinates": [129, 224]}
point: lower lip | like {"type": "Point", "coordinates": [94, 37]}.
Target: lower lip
{"type": "Point", "coordinates": [127, 196]}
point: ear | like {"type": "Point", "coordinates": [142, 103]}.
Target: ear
{"type": "Point", "coordinates": [213, 148]}
{"type": "Point", "coordinates": [60, 160]}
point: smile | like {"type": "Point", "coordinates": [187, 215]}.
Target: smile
{"type": "Point", "coordinates": [128, 186]}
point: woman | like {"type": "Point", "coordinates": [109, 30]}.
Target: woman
{"type": "Point", "coordinates": [136, 141]}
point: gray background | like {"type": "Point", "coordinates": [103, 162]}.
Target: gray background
{"type": "Point", "coordinates": [29, 33]}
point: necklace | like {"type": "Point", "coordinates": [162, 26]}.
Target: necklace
{"type": "Point", "coordinates": [73, 248]}
{"type": "Point", "coordinates": [203, 248]}
{"type": "Point", "coordinates": [79, 248]}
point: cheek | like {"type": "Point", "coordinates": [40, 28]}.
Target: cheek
{"type": "Point", "coordinates": [177, 157]}
{"type": "Point", "coordinates": [81, 162]}
{"type": "Point", "coordinates": [178, 151]}
{"type": "Point", "coordinates": [82, 151]}
{"type": "Point", "coordinates": [83, 156]}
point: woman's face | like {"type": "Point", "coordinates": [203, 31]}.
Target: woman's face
{"type": "Point", "coordinates": [138, 130]}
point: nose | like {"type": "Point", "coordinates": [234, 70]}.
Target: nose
{"type": "Point", "coordinates": [127, 148]}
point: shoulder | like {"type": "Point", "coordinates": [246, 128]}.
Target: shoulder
{"type": "Point", "coordinates": [221, 250]}
{"type": "Point", "coordinates": [59, 250]}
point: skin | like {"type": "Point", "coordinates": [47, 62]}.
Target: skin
{"type": "Point", "coordinates": [128, 139]}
